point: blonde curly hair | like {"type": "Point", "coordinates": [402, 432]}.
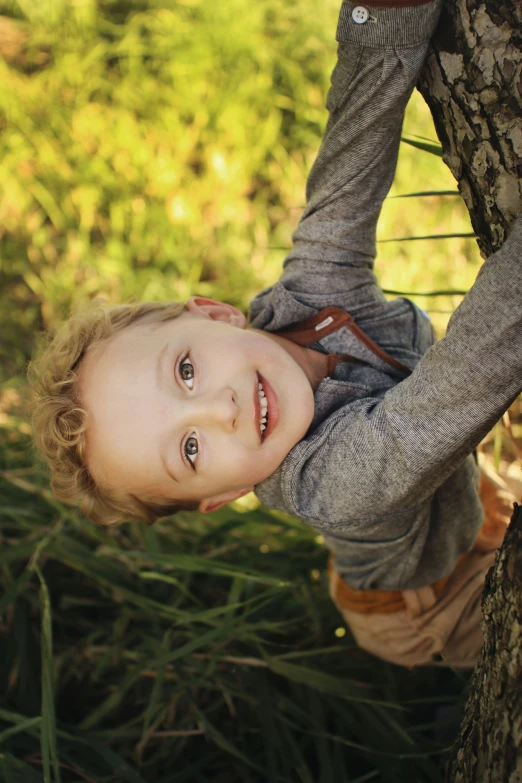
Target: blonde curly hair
{"type": "Point", "coordinates": [59, 421]}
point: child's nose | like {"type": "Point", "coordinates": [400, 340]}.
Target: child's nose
{"type": "Point", "coordinates": [214, 408]}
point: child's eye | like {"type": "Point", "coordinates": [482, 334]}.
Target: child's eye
{"type": "Point", "coordinates": [190, 449]}
{"type": "Point", "coordinates": [186, 370]}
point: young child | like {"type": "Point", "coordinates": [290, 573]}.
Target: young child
{"type": "Point", "coordinates": [331, 403]}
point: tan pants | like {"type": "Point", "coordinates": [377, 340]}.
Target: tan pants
{"type": "Point", "coordinates": [435, 627]}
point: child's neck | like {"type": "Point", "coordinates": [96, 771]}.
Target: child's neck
{"type": "Point", "coordinates": [312, 362]}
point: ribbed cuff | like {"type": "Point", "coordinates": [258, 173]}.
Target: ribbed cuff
{"type": "Point", "coordinates": [389, 27]}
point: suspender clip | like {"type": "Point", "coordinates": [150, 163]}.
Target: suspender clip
{"type": "Point", "coordinates": [325, 323]}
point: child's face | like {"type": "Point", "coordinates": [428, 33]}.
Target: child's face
{"type": "Point", "coordinates": [145, 422]}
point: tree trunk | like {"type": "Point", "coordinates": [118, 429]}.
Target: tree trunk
{"type": "Point", "coordinates": [473, 86]}
{"type": "Point", "coordinates": [489, 746]}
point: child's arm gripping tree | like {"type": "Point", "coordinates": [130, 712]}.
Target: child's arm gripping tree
{"type": "Point", "coordinates": [371, 473]}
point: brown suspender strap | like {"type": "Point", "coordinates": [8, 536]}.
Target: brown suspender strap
{"type": "Point", "coordinates": [320, 325]}
{"type": "Point", "coordinates": [329, 320]}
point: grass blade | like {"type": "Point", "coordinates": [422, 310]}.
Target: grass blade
{"type": "Point", "coordinates": [431, 236]}
{"type": "Point", "coordinates": [13, 770]}
{"type": "Point", "coordinates": [48, 733]}
{"type": "Point", "coordinates": [14, 589]}
{"type": "Point", "coordinates": [425, 293]}
{"type": "Point", "coordinates": [427, 146]}
{"type": "Point", "coordinates": [116, 762]}
{"type": "Point", "coordinates": [428, 193]}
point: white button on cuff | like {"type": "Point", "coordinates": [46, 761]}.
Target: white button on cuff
{"type": "Point", "coordinates": [360, 14]}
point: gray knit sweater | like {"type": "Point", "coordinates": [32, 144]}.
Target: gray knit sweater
{"type": "Point", "coordinates": [385, 471]}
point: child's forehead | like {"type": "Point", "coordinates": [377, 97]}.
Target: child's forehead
{"type": "Point", "coordinates": [141, 330]}
{"type": "Point", "coordinates": [179, 321]}
{"type": "Point", "coordinates": [138, 339]}
{"type": "Point", "coordinates": [159, 324]}
{"type": "Point", "coordinates": [144, 333]}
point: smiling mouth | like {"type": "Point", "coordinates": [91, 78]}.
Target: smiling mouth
{"type": "Point", "coordinates": [260, 407]}
{"type": "Point", "coordinates": [272, 409]}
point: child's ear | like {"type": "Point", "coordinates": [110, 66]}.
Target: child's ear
{"type": "Point", "coordinates": [211, 504]}
{"type": "Point", "coordinates": [217, 311]}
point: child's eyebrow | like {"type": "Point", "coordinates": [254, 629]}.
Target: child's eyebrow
{"type": "Point", "coordinates": [160, 380]}
{"type": "Point", "coordinates": [160, 384]}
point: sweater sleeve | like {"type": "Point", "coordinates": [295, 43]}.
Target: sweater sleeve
{"type": "Point", "coordinates": [377, 457]}
{"type": "Point", "coordinates": [380, 53]}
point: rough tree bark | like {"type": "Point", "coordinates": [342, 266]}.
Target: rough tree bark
{"type": "Point", "coordinates": [489, 746]}
{"type": "Point", "coordinates": [472, 84]}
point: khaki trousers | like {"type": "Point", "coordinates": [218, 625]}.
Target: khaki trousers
{"type": "Point", "coordinates": [436, 625]}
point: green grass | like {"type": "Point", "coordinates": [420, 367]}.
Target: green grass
{"type": "Point", "coordinates": [156, 149]}
{"type": "Point", "coordinates": [205, 649]}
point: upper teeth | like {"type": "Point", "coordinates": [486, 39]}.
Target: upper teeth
{"type": "Point", "coordinates": [263, 408]}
